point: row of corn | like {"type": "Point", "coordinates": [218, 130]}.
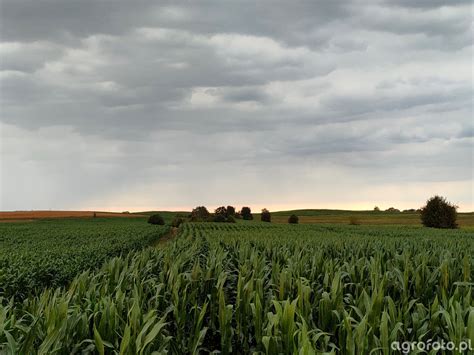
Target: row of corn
{"type": "Point", "coordinates": [249, 289]}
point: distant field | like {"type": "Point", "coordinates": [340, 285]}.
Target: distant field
{"type": "Point", "coordinates": [305, 216]}
{"type": "Point", "coordinates": [21, 215]}
{"type": "Point", "coordinates": [363, 217]}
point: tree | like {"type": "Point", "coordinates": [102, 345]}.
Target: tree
{"type": "Point", "coordinates": [439, 213]}
{"type": "Point", "coordinates": [376, 209]}
{"type": "Point", "coordinates": [266, 216]}
{"type": "Point", "coordinates": [156, 219]}
{"type": "Point", "coordinates": [230, 211]}
{"type": "Point", "coordinates": [200, 213]}
{"type": "Point", "coordinates": [392, 209]}
{"type": "Point", "coordinates": [246, 213]}
{"type": "Point", "coordinates": [293, 219]}
{"type": "Point", "coordinates": [221, 211]}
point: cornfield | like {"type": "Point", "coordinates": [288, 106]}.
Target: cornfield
{"type": "Point", "coordinates": [50, 253]}
{"type": "Point", "coordinates": [262, 289]}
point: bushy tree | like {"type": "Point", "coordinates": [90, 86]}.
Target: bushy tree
{"type": "Point", "coordinates": [156, 219]}
{"type": "Point", "coordinates": [246, 213]}
{"type": "Point", "coordinates": [221, 211]}
{"type": "Point", "coordinates": [376, 209]}
{"type": "Point", "coordinates": [266, 216]}
{"type": "Point", "coordinates": [224, 214]}
{"type": "Point", "coordinates": [293, 219]}
{"type": "Point", "coordinates": [439, 213]}
{"type": "Point", "coordinates": [200, 213]}
{"type": "Point", "coordinates": [230, 211]}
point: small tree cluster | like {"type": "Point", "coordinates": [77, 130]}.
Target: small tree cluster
{"type": "Point", "coordinates": [200, 214]}
{"type": "Point", "coordinates": [156, 219]}
{"type": "Point", "coordinates": [439, 213]}
{"type": "Point", "coordinates": [265, 216]}
{"type": "Point", "coordinates": [246, 213]}
{"type": "Point", "coordinates": [224, 214]}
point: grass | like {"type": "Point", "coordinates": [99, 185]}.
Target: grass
{"type": "Point", "coordinates": [363, 217]}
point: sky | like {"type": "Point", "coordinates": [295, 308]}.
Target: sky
{"type": "Point", "coordinates": [141, 105]}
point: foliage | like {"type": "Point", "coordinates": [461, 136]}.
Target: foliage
{"type": "Point", "coordinates": [156, 219]}
{"type": "Point", "coordinates": [200, 214]}
{"type": "Point", "coordinates": [220, 218]}
{"type": "Point", "coordinates": [221, 215]}
{"type": "Point", "coordinates": [246, 213]}
{"type": "Point", "coordinates": [439, 213]}
{"type": "Point", "coordinates": [376, 209]}
{"type": "Point", "coordinates": [34, 255]}
{"type": "Point", "coordinates": [177, 221]}
{"type": "Point", "coordinates": [265, 216]}
{"type": "Point", "coordinates": [230, 211]}
{"type": "Point", "coordinates": [221, 211]}
{"type": "Point", "coordinates": [392, 209]}
{"type": "Point", "coordinates": [260, 288]}
{"type": "Point", "coordinates": [293, 219]}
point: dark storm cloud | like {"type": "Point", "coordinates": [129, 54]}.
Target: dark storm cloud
{"type": "Point", "coordinates": [150, 96]}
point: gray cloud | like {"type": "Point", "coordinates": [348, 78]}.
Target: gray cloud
{"type": "Point", "coordinates": [104, 104]}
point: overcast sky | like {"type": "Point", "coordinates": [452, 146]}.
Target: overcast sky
{"type": "Point", "coordinates": [133, 105]}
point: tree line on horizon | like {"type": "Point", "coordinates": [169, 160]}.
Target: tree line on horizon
{"type": "Point", "coordinates": [437, 213]}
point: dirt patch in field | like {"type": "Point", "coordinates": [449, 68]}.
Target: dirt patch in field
{"type": "Point", "coordinates": [29, 215]}
{"type": "Point", "coordinates": [173, 233]}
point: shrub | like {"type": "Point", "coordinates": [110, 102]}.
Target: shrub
{"type": "Point", "coordinates": [246, 213]}
{"type": "Point", "coordinates": [200, 214]}
{"type": "Point", "coordinates": [266, 216]}
{"type": "Point", "coordinates": [439, 213]}
{"type": "Point", "coordinates": [220, 218]}
{"type": "Point", "coordinates": [392, 209]}
{"type": "Point", "coordinates": [354, 221]}
{"type": "Point", "coordinates": [376, 209]}
{"type": "Point", "coordinates": [293, 219]}
{"type": "Point", "coordinates": [177, 221]}
{"type": "Point", "coordinates": [156, 219]}
{"type": "Point", "coordinates": [230, 219]}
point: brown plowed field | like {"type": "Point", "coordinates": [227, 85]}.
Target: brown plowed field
{"type": "Point", "coordinates": [29, 215]}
